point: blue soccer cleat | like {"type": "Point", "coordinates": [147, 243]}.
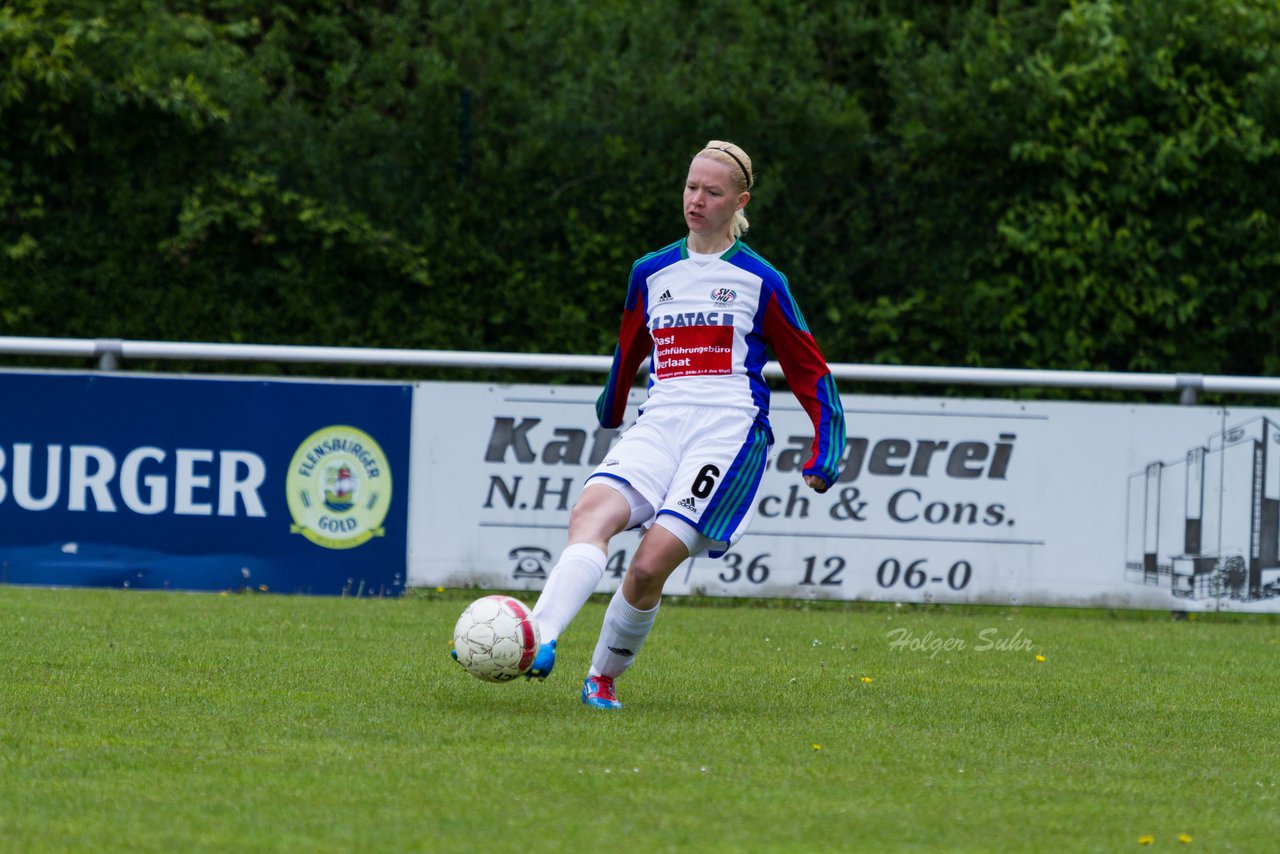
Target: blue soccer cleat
{"type": "Point", "coordinates": [542, 662]}
{"type": "Point", "coordinates": [598, 693]}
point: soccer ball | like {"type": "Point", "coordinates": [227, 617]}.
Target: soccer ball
{"type": "Point", "coordinates": [496, 638]}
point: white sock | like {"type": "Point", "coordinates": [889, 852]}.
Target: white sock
{"type": "Point", "coordinates": [572, 581]}
{"type": "Point", "coordinates": [623, 633]}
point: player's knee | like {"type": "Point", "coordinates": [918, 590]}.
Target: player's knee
{"type": "Point", "coordinates": [643, 579]}
{"type": "Point", "coordinates": [648, 575]}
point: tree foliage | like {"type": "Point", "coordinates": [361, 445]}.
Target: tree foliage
{"type": "Point", "coordinates": [1041, 184]}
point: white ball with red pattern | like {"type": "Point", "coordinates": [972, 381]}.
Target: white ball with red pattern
{"type": "Point", "coordinates": [496, 638]}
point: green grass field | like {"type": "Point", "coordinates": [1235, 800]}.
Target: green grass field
{"type": "Point", "coordinates": [175, 722]}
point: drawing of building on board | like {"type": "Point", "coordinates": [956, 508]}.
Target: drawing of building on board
{"type": "Point", "coordinates": [1208, 525]}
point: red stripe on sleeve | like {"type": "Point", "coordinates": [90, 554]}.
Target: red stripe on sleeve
{"type": "Point", "coordinates": [802, 364]}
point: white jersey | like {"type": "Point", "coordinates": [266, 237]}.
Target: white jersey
{"type": "Point", "coordinates": [707, 325]}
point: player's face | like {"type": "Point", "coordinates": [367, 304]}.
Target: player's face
{"type": "Point", "coordinates": [710, 198]}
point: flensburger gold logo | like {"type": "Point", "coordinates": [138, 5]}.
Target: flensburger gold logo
{"type": "Point", "coordinates": [339, 488]}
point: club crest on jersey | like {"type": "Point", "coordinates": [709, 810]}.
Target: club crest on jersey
{"type": "Point", "coordinates": [724, 295]}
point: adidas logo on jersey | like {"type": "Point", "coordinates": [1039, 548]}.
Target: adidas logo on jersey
{"type": "Point", "coordinates": [687, 504]}
{"type": "Point", "coordinates": [666, 297]}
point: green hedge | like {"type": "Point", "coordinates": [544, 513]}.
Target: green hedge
{"type": "Point", "coordinates": [1085, 185]}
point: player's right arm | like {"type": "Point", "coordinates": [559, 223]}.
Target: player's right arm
{"type": "Point", "coordinates": [634, 344]}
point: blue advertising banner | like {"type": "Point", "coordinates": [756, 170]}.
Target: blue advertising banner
{"type": "Point", "coordinates": [203, 484]}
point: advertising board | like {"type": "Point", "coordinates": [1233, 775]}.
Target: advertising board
{"type": "Point", "coordinates": [940, 500]}
{"type": "Point", "coordinates": [203, 483]}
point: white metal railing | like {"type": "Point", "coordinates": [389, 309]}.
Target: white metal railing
{"type": "Point", "coordinates": [109, 352]}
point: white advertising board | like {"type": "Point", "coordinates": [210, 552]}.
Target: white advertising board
{"type": "Point", "coordinates": [941, 500]}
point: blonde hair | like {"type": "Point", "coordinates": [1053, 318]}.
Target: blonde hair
{"type": "Point", "coordinates": [739, 164]}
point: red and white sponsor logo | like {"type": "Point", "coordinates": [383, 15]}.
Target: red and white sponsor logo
{"type": "Point", "coordinates": [693, 351]}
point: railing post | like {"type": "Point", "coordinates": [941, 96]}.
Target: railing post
{"type": "Point", "coordinates": [1189, 388]}
{"type": "Point", "coordinates": [109, 352]}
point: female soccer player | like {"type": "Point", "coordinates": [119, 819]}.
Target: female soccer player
{"type": "Point", "coordinates": [703, 310]}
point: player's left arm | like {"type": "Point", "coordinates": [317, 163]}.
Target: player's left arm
{"type": "Point", "coordinates": [811, 382]}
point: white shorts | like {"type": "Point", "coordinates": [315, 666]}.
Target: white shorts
{"type": "Point", "coordinates": [701, 465]}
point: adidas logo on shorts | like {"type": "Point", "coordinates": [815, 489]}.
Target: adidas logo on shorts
{"type": "Point", "coordinates": [687, 504]}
